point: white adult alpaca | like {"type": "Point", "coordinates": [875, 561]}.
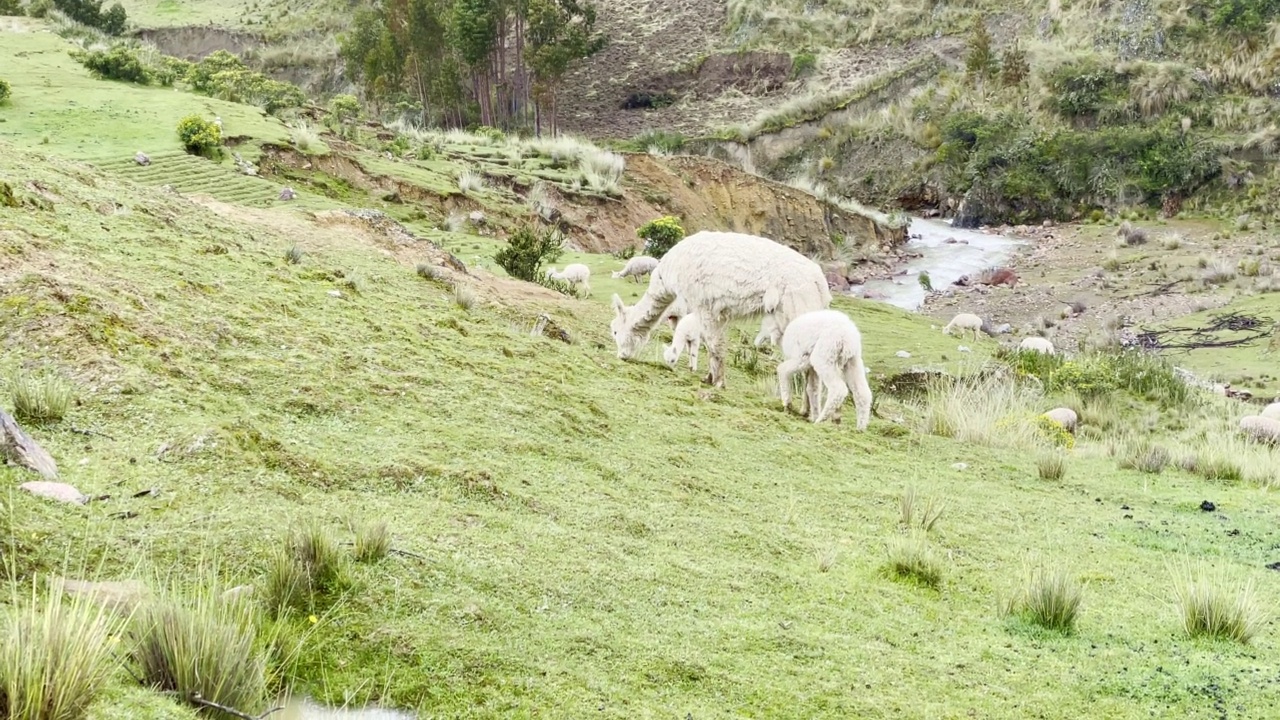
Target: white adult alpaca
{"type": "Point", "coordinates": [636, 267]}
{"type": "Point", "coordinates": [722, 276]}
{"type": "Point", "coordinates": [687, 338]}
{"type": "Point", "coordinates": [963, 322]}
{"type": "Point", "coordinates": [826, 343]}
{"type": "Point", "coordinates": [1037, 344]}
{"type": "Point", "coordinates": [575, 274]}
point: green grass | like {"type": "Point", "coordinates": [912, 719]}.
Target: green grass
{"type": "Point", "coordinates": [58, 107]}
{"type": "Point", "coordinates": [593, 534]}
{"type": "Point", "coordinates": [1250, 366]}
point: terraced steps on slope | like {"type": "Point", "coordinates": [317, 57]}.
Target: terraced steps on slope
{"type": "Point", "coordinates": [191, 174]}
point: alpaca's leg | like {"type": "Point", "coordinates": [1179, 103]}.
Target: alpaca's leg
{"type": "Point", "coordinates": [786, 369]}
{"type": "Point", "coordinates": [694, 345]}
{"type": "Point", "coordinates": [855, 374]}
{"type": "Point", "coordinates": [715, 342]}
{"type": "Point", "coordinates": [813, 394]}
{"type": "Point", "coordinates": [834, 381]}
{"type": "Point", "coordinates": [586, 285]}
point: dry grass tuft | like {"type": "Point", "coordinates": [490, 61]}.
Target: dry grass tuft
{"type": "Point", "coordinates": [911, 558]}
{"type": "Point", "coordinates": [919, 511]}
{"type": "Point", "coordinates": [42, 399]}
{"type": "Point", "coordinates": [1051, 598]}
{"type": "Point", "coordinates": [1215, 605]}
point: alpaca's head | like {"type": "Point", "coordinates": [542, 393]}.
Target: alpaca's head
{"type": "Point", "coordinates": [616, 274]}
{"type": "Point", "coordinates": [623, 329]}
{"type": "Point", "coordinates": [671, 353]}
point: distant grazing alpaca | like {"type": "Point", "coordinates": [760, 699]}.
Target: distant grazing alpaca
{"type": "Point", "coordinates": [636, 267]}
{"type": "Point", "coordinates": [687, 337]}
{"type": "Point", "coordinates": [1037, 344]}
{"type": "Point", "coordinates": [825, 343]}
{"type": "Point", "coordinates": [1262, 429]}
{"type": "Point", "coordinates": [575, 274]}
{"type": "Point", "coordinates": [963, 322]}
{"type": "Point", "coordinates": [722, 276]}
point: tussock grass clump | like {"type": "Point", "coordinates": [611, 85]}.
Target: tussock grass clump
{"type": "Point", "coordinates": [55, 656]}
{"type": "Point", "coordinates": [1051, 465]}
{"type": "Point", "coordinates": [1051, 598]}
{"type": "Point", "coordinates": [602, 170]}
{"type": "Point", "coordinates": [1141, 455]}
{"type": "Point", "coordinates": [199, 644]}
{"type": "Point", "coordinates": [430, 272]}
{"type": "Point", "coordinates": [464, 297]}
{"type": "Point", "coordinates": [1215, 605]}
{"type": "Point", "coordinates": [1131, 235]}
{"type": "Point", "coordinates": [912, 559]}
{"type": "Point", "coordinates": [1218, 273]}
{"type": "Point", "coordinates": [919, 511]}
{"type": "Point", "coordinates": [470, 181]}
{"type": "Point", "coordinates": [373, 542]}
{"type": "Point", "coordinates": [986, 410]}
{"type": "Point", "coordinates": [310, 566]}
{"type": "Point", "coordinates": [304, 137]}
{"type": "Point", "coordinates": [42, 399]}
{"type": "Point", "coordinates": [293, 255]}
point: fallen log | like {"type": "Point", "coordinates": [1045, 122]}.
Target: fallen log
{"type": "Point", "coordinates": [19, 448]}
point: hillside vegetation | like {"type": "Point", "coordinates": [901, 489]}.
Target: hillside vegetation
{"type": "Point", "coordinates": [434, 486]}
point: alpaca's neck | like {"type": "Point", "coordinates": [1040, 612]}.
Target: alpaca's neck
{"type": "Point", "coordinates": [649, 310]}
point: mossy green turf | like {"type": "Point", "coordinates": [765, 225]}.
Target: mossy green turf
{"type": "Point", "coordinates": [597, 537]}
{"type": "Point", "coordinates": [1253, 365]}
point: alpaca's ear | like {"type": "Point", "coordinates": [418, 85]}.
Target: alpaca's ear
{"type": "Point", "coordinates": [617, 304]}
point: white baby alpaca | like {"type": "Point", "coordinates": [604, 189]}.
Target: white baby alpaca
{"type": "Point", "coordinates": [963, 322]}
{"type": "Point", "coordinates": [1037, 344]}
{"type": "Point", "coordinates": [828, 344]}
{"type": "Point", "coordinates": [687, 337]}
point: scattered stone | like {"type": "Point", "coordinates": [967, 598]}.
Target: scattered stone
{"type": "Point", "coordinates": [141, 158]}
{"type": "Point", "coordinates": [238, 592]}
{"type": "Point", "coordinates": [61, 492]}
{"type": "Point", "coordinates": [288, 194]}
{"type": "Point", "coordinates": [1208, 506]}
{"type": "Point", "coordinates": [903, 354]}
{"type": "Point", "coordinates": [121, 595]}
{"type": "Point", "coordinates": [476, 217]}
{"type": "Point", "coordinates": [960, 466]}
{"type": "Point", "coordinates": [1004, 329]}
{"type": "Point", "coordinates": [964, 348]}
{"type": "Point", "coordinates": [335, 293]}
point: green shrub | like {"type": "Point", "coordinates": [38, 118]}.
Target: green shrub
{"type": "Point", "coordinates": [39, 8]}
{"type": "Point", "coordinates": [660, 235]}
{"type": "Point", "coordinates": [1014, 66]}
{"type": "Point", "coordinates": [5, 91]}
{"type": "Point", "coordinates": [980, 61]}
{"type": "Point", "coordinates": [55, 657]}
{"type": "Point", "coordinates": [1082, 88]}
{"type": "Point", "coordinates": [119, 62]}
{"type": "Point", "coordinates": [803, 63]}
{"type": "Point", "coordinates": [225, 76]}
{"type": "Point", "coordinates": [11, 7]}
{"type": "Point", "coordinates": [199, 136]}
{"type": "Point", "coordinates": [344, 108]}
{"type": "Point", "coordinates": [89, 12]}
{"type": "Point", "coordinates": [528, 249]}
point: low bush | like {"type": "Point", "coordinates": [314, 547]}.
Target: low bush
{"type": "Point", "coordinates": [113, 21]}
{"type": "Point", "coordinates": [660, 235]}
{"type": "Point", "coordinates": [119, 62]}
{"type": "Point", "coordinates": [6, 91]}
{"type": "Point", "coordinates": [528, 249]}
{"type": "Point", "coordinates": [199, 136]}
{"type": "Point", "coordinates": [11, 7]}
{"type": "Point", "coordinates": [225, 76]}
{"type": "Point", "coordinates": [1051, 466]}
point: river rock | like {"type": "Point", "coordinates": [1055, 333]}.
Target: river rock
{"type": "Point", "coordinates": [121, 595]}
{"type": "Point", "coordinates": [59, 491]}
{"type": "Point", "coordinates": [903, 354]}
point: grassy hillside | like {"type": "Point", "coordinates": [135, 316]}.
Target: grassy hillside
{"type": "Point", "coordinates": [571, 534]}
{"type": "Point", "coordinates": [589, 535]}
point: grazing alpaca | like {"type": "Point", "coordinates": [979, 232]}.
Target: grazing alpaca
{"type": "Point", "coordinates": [636, 267]}
{"type": "Point", "coordinates": [1271, 411]}
{"type": "Point", "coordinates": [1037, 344]}
{"type": "Point", "coordinates": [575, 274]}
{"type": "Point", "coordinates": [826, 345]}
{"type": "Point", "coordinates": [687, 337]}
{"type": "Point", "coordinates": [965, 321]}
{"type": "Point", "coordinates": [722, 276]}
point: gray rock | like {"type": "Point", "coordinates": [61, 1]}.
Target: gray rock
{"type": "Point", "coordinates": [59, 491]}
